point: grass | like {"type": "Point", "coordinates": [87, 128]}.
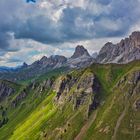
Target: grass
{"type": "Point", "coordinates": [32, 124]}
{"type": "Point", "coordinates": [40, 116]}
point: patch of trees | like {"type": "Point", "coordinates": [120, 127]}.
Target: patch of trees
{"type": "Point", "coordinates": [3, 116]}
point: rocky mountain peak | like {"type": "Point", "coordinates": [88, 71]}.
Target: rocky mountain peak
{"type": "Point", "coordinates": [57, 57]}
{"type": "Point", "coordinates": [52, 61]}
{"type": "Point", "coordinates": [80, 51]}
{"type": "Point", "coordinates": [25, 64]}
{"type": "Point", "coordinates": [44, 58]}
{"type": "Point", "coordinates": [135, 39]}
{"type": "Point", "coordinates": [125, 51]}
{"type": "Point", "coordinates": [135, 34]}
{"type": "Point", "coordinates": [108, 44]}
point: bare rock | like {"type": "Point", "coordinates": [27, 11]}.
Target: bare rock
{"type": "Point", "coordinates": [126, 51]}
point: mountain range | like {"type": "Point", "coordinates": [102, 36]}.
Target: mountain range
{"type": "Point", "coordinates": [125, 51]}
{"type": "Point", "coordinates": [83, 97]}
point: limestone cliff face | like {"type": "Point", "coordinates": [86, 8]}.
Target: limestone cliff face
{"type": "Point", "coordinates": [5, 90]}
{"type": "Point", "coordinates": [81, 91]}
{"type": "Point", "coordinates": [80, 51]}
{"type": "Point", "coordinates": [80, 58]}
{"type": "Point", "coordinates": [37, 87]}
{"type": "Point", "coordinates": [130, 83]}
{"type": "Point", "coordinates": [127, 50]}
{"type": "Point", "coordinates": [19, 98]}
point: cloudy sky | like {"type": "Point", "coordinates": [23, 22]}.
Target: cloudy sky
{"type": "Point", "coordinates": [29, 31]}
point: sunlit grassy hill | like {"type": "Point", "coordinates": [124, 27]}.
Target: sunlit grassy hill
{"type": "Point", "coordinates": [101, 102]}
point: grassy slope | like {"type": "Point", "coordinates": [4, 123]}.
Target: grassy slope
{"type": "Point", "coordinates": [37, 117]}
{"type": "Point", "coordinates": [117, 108]}
{"type": "Point", "coordinates": [19, 114]}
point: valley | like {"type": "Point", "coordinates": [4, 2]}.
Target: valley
{"type": "Point", "coordinates": [97, 102]}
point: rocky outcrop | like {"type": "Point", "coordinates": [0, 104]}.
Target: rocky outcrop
{"type": "Point", "coordinates": [51, 62]}
{"type": "Point", "coordinates": [81, 58]}
{"type": "Point", "coordinates": [136, 77]}
{"type": "Point", "coordinates": [38, 88]}
{"type": "Point", "coordinates": [24, 65]}
{"type": "Point", "coordinates": [87, 92]}
{"type": "Point", "coordinates": [5, 90]}
{"type": "Point", "coordinates": [127, 50]}
{"type": "Point", "coordinates": [137, 104]}
{"type": "Point", "coordinates": [81, 91]}
{"type": "Point", "coordinates": [80, 51]}
{"type": "Point", "coordinates": [19, 98]}
{"type": "Point", "coordinates": [130, 85]}
{"type": "Point", "coordinates": [3, 116]}
{"type": "Point", "coordinates": [63, 85]}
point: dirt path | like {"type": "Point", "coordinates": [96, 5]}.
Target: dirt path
{"type": "Point", "coordinates": [86, 126]}
{"type": "Point", "coordinates": [118, 123]}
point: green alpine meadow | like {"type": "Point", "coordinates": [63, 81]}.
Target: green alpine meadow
{"type": "Point", "coordinates": [101, 101]}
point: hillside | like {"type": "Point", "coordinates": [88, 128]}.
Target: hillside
{"type": "Point", "coordinates": [99, 102]}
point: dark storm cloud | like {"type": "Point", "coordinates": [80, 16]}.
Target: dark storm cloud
{"type": "Point", "coordinates": [77, 23]}
{"type": "Point", "coordinates": [121, 16]}
{"type": "Point", "coordinates": [115, 18]}
{"type": "Point", "coordinates": [41, 29]}
{"type": "Point", "coordinates": [70, 27]}
{"type": "Point", "coordinates": [4, 40]}
{"type": "Point", "coordinates": [12, 16]}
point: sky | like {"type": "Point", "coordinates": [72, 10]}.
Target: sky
{"type": "Point", "coordinates": [29, 31]}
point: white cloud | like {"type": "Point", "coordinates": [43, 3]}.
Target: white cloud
{"type": "Point", "coordinates": [109, 24]}
{"type": "Point", "coordinates": [91, 23]}
{"type": "Point", "coordinates": [135, 27]}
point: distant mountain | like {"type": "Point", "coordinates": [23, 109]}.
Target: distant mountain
{"type": "Point", "coordinates": [54, 61]}
{"type": "Point", "coordinates": [55, 99]}
{"type": "Point", "coordinates": [4, 69]}
{"type": "Point", "coordinates": [127, 50]}
{"type": "Point", "coordinates": [24, 65]}
{"type": "Point", "coordinates": [80, 51]}
{"type": "Point", "coordinates": [80, 58]}
{"type": "Point", "coordinates": [7, 69]}
{"type": "Point", "coordinates": [39, 67]}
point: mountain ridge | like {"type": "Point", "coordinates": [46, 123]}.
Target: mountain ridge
{"type": "Point", "coordinates": [46, 64]}
{"type": "Point", "coordinates": [125, 51]}
{"type": "Point", "coordinates": [59, 107]}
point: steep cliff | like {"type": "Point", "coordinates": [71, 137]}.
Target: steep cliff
{"type": "Point", "coordinates": [98, 102]}
{"type": "Point", "coordinates": [125, 51]}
